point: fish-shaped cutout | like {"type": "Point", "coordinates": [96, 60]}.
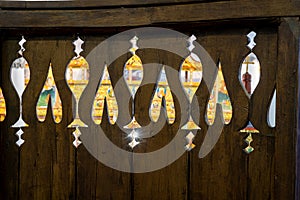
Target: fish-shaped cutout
{"type": "Point", "coordinates": [133, 74]}
{"type": "Point", "coordinates": [2, 107]}
{"type": "Point", "coordinates": [105, 92]}
{"type": "Point", "coordinates": [162, 93]}
{"type": "Point", "coordinates": [190, 76]}
{"type": "Point", "coordinates": [49, 92]}
{"type": "Point", "coordinates": [219, 95]}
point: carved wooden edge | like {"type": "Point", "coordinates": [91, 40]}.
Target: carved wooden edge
{"type": "Point", "coordinates": [141, 16]}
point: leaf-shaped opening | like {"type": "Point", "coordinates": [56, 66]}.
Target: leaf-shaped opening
{"type": "Point", "coordinates": [49, 92]}
{"type": "Point", "coordinates": [162, 95]}
{"type": "Point", "coordinates": [105, 92]}
{"type": "Point", "coordinates": [219, 95]}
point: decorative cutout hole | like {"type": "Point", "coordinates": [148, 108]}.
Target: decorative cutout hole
{"type": "Point", "coordinates": [219, 95]}
{"type": "Point", "coordinates": [271, 119]}
{"type": "Point", "coordinates": [20, 76]}
{"type": "Point", "coordinates": [105, 92]}
{"type": "Point", "coordinates": [162, 93]}
{"type": "Point", "coordinates": [190, 76]}
{"type": "Point", "coordinates": [133, 74]}
{"type": "Point", "coordinates": [250, 74]}
{"type": "Point", "coordinates": [2, 106]}
{"type": "Point", "coordinates": [77, 77]}
{"type": "Point", "coordinates": [49, 91]}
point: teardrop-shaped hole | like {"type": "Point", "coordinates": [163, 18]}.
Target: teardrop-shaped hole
{"type": "Point", "coordinates": [249, 74]}
{"type": "Point", "coordinates": [271, 119]}
{"type": "Point", "coordinates": [49, 92]}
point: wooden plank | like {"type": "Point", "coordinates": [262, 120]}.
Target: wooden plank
{"type": "Point", "coordinates": [222, 173]}
{"type": "Point", "coordinates": [89, 4]}
{"type": "Point", "coordinates": [286, 113]}
{"type": "Point", "coordinates": [47, 156]}
{"type": "Point", "coordinates": [95, 180]}
{"type": "Point", "coordinates": [260, 181]}
{"type": "Point", "coordinates": [170, 181]}
{"type": "Point", "coordinates": [148, 15]}
{"type": "Point", "coordinates": [9, 151]}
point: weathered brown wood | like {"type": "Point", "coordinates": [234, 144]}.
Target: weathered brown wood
{"type": "Point", "coordinates": [286, 113]}
{"type": "Point", "coordinates": [47, 158]}
{"type": "Point", "coordinates": [51, 168]}
{"type": "Point", "coordinates": [148, 15]}
{"type": "Point", "coordinates": [88, 4]}
{"type": "Point", "coordinates": [95, 180]}
{"type": "Point", "coordinates": [258, 185]}
{"type": "Point", "coordinates": [9, 153]}
{"type": "Point", "coordinates": [214, 176]}
{"type": "Point", "coordinates": [170, 181]}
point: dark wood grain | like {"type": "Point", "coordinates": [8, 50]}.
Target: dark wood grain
{"type": "Point", "coordinates": [213, 176]}
{"type": "Point", "coordinates": [47, 158]}
{"type": "Point", "coordinates": [47, 166]}
{"type": "Point", "coordinates": [286, 112]}
{"type": "Point", "coordinates": [95, 180]}
{"type": "Point", "coordinates": [148, 15]}
{"type": "Point", "coordinates": [264, 142]}
{"type": "Point", "coordinates": [10, 153]}
{"type": "Point", "coordinates": [89, 4]}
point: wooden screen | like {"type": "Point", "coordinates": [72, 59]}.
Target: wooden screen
{"type": "Point", "coordinates": [47, 166]}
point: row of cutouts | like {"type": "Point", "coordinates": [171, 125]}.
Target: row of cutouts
{"type": "Point", "coordinates": [190, 76]}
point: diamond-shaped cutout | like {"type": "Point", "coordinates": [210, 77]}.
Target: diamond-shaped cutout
{"type": "Point", "coordinates": [249, 139]}
{"type": "Point", "coordinates": [20, 141]}
{"type": "Point", "coordinates": [249, 149]}
{"type": "Point", "coordinates": [133, 143]}
{"type": "Point", "coordinates": [76, 135]}
{"type": "Point", "coordinates": [190, 137]}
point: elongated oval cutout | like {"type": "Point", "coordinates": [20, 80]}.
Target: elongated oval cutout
{"type": "Point", "coordinates": [105, 92]}
{"type": "Point", "coordinates": [49, 91]}
{"type": "Point", "coordinates": [2, 107]}
{"type": "Point", "coordinates": [272, 111]}
{"type": "Point", "coordinates": [250, 74]}
{"type": "Point", "coordinates": [162, 93]}
{"type": "Point", "coordinates": [191, 75]}
{"type": "Point", "coordinates": [219, 95]}
{"type": "Point", "coordinates": [133, 73]}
